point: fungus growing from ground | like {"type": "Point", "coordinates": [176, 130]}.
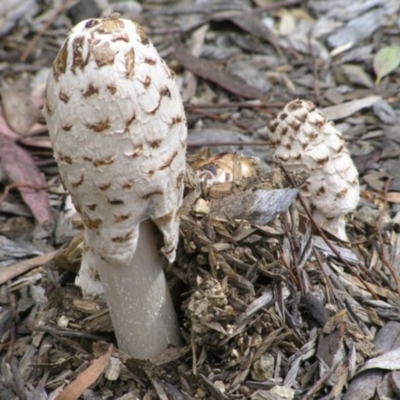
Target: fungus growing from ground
{"type": "Point", "coordinates": [118, 129]}
{"type": "Point", "coordinates": [304, 139]}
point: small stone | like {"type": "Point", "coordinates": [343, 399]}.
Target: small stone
{"type": "Point", "coordinates": [263, 368]}
{"type": "Point", "coordinates": [63, 321]}
{"type": "Point", "coordinates": [201, 207]}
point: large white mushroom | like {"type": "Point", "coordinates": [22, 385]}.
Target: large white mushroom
{"type": "Point", "coordinates": [304, 139]}
{"type": "Point", "coordinates": [118, 129]}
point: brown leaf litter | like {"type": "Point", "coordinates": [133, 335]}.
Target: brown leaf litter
{"type": "Point", "coordinates": [270, 309]}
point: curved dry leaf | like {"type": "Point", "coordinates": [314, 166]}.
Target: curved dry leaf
{"type": "Point", "coordinates": [86, 378]}
{"type": "Point", "coordinates": [258, 207]}
{"type": "Point", "coordinates": [386, 60]}
{"type": "Point", "coordinates": [17, 106]}
{"type": "Point", "coordinates": [344, 110]}
{"type": "Point", "coordinates": [21, 169]}
{"type": "Point", "coordinates": [389, 360]}
{"type": "Point", "coordinates": [206, 70]}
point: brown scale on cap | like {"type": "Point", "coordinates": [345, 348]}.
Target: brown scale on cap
{"type": "Point", "coordinates": [91, 23]}
{"type": "Point", "coordinates": [137, 152]}
{"type": "Point", "coordinates": [103, 161]}
{"type": "Point", "coordinates": [104, 187]}
{"type": "Point", "coordinates": [91, 90]}
{"type": "Point", "coordinates": [112, 89]}
{"type": "Point", "coordinates": [169, 161]}
{"type": "Point", "coordinates": [165, 218]}
{"type": "Point", "coordinates": [142, 34]}
{"type": "Point", "coordinates": [121, 218]}
{"type": "Point", "coordinates": [78, 59]}
{"type": "Point", "coordinates": [147, 82]}
{"type": "Point", "coordinates": [128, 122]}
{"type": "Point", "coordinates": [79, 182]}
{"type": "Point", "coordinates": [122, 239]}
{"type": "Point", "coordinates": [103, 54]}
{"type": "Point", "coordinates": [149, 61]}
{"type": "Point", "coordinates": [111, 24]}
{"type": "Point", "coordinates": [151, 194]}
{"type": "Point", "coordinates": [99, 127]}
{"type": "Point", "coordinates": [60, 63]}
{"type": "Point", "coordinates": [64, 158]}
{"type": "Point", "coordinates": [94, 223]}
{"type": "Point", "coordinates": [129, 64]}
{"type": "Point", "coordinates": [63, 97]}
{"type": "Point", "coordinates": [154, 144]}
{"type": "Point", "coordinates": [126, 186]}
{"type": "Point", "coordinates": [115, 202]}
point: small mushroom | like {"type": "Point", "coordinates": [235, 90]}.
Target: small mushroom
{"type": "Point", "coordinates": [225, 167]}
{"type": "Point", "coordinates": [118, 130]}
{"type": "Point", "coordinates": [304, 139]}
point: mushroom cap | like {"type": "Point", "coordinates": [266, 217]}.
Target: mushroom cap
{"type": "Point", "coordinates": [118, 129]}
{"type": "Point", "coordinates": [304, 139]}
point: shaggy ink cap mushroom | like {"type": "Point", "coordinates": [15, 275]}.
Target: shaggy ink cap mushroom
{"type": "Point", "coordinates": [118, 130]}
{"type": "Point", "coordinates": [304, 139]}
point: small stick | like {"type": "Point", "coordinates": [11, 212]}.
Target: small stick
{"type": "Point", "coordinates": [31, 45]}
{"type": "Point", "coordinates": [17, 185]}
{"type": "Point", "coordinates": [378, 228]}
{"type": "Point", "coordinates": [212, 144]}
{"type": "Point", "coordinates": [242, 104]}
{"type": "Point", "coordinates": [277, 5]}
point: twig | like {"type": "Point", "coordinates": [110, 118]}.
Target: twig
{"type": "Point", "coordinates": [12, 330]}
{"type": "Point", "coordinates": [317, 385]}
{"type": "Point", "coordinates": [294, 247]}
{"type": "Point", "coordinates": [330, 297]}
{"type": "Point", "coordinates": [31, 45]}
{"type": "Point", "coordinates": [20, 268]}
{"type": "Point", "coordinates": [18, 380]}
{"type": "Point", "coordinates": [211, 144]}
{"type": "Point", "coordinates": [17, 185]}
{"type": "Point", "coordinates": [66, 333]}
{"type": "Point", "coordinates": [286, 264]}
{"type": "Point", "coordinates": [315, 69]}
{"type": "Point", "coordinates": [378, 228]}
{"type": "Point", "coordinates": [327, 241]}
{"type": "Point", "coordinates": [235, 104]}
{"type": "Point", "coordinates": [277, 5]}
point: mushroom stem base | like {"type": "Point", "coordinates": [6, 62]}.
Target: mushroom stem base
{"type": "Point", "coordinates": [140, 303]}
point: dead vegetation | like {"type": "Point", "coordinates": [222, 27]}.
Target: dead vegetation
{"type": "Point", "coordinates": [269, 305]}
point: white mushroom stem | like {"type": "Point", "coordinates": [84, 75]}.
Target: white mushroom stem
{"type": "Point", "coordinates": [139, 300]}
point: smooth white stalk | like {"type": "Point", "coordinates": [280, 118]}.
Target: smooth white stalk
{"type": "Point", "coordinates": [140, 303]}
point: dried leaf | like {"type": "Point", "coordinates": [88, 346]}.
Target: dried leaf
{"type": "Point", "coordinates": [346, 109]}
{"type": "Point", "coordinates": [389, 360]}
{"type": "Point", "coordinates": [357, 76]}
{"type": "Point", "coordinates": [258, 207]}
{"type": "Point", "coordinates": [393, 197]}
{"type": "Point", "coordinates": [206, 70]}
{"type": "Point", "coordinates": [253, 25]}
{"type": "Point", "coordinates": [386, 60]}
{"type": "Point", "coordinates": [17, 106]}
{"type": "Point", "coordinates": [86, 378]}
{"type": "Point", "coordinates": [20, 168]}
{"type": "Point", "coordinates": [11, 271]}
